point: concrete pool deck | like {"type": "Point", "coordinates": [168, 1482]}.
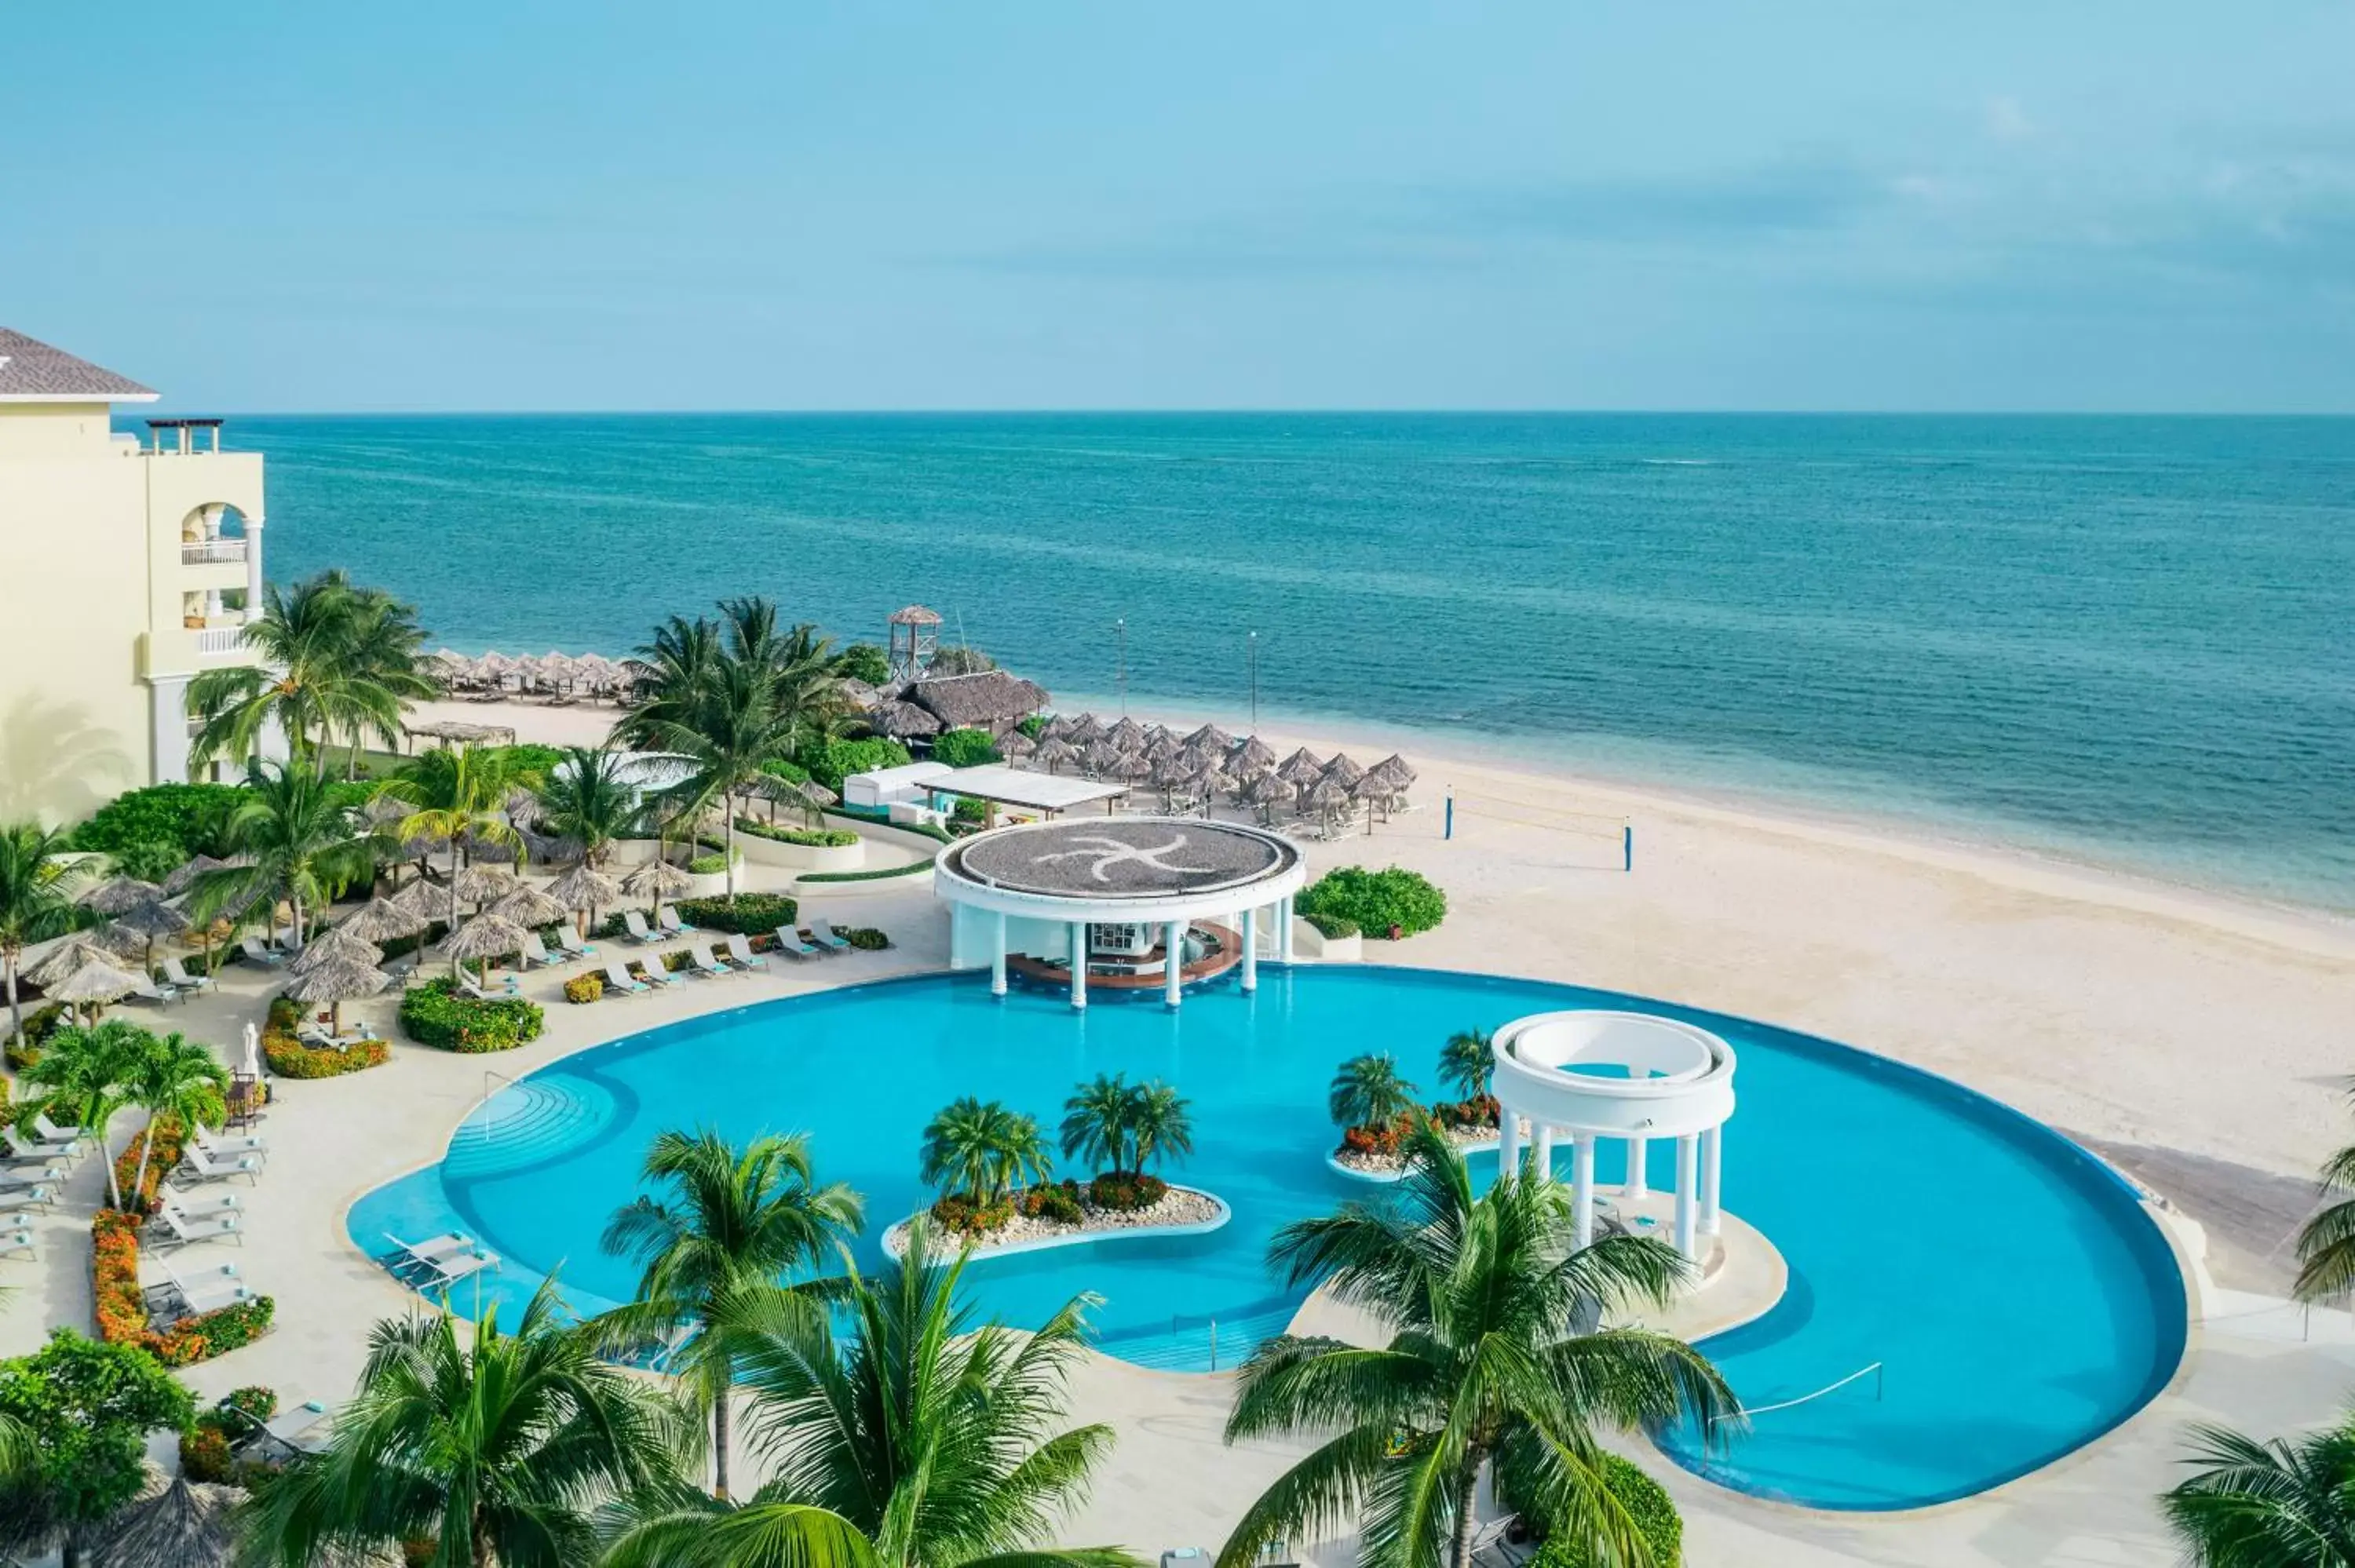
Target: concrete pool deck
{"type": "Point", "coordinates": [2025, 983]}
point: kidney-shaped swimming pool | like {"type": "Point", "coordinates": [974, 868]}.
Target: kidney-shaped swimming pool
{"type": "Point", "coordinates": [2018, 1300]}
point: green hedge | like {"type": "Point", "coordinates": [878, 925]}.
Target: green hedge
{"type": "Point", "coordinates": [1655, 1520]}
{"type": "Point", "coordinates": [750, 914]}
{"type": "Point", "coordinates": [438, 1015]}
{"type": "Point", "coordinates": [908, 870]}
{"type": "Point", "coordinates": [808, 838]}
{"type": "Point", "coordinates": [182, 815]}
{"type": "Point", "coordinates": [963, 747]}
{"type": "Point", "coordinates": [1375, 900]}
{"type": "Point", "coordinates": [712, 864]}
{"type": "Point", "coordinates": [1332, 925]}
{"type": "Point", "coordinates": [830, 763]}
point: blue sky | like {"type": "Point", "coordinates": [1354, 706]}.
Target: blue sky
{"type": "Point", "coordinates": [1566, 204]}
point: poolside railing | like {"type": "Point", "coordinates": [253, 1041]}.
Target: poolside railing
{"type": "Point", "coordinates": [1874, 1372]}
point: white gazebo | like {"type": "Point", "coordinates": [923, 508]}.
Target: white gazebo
{"type": "Point", "coordinates": [1635, 1077]}
{"type": "Point", "coordinates": [1118, 900]}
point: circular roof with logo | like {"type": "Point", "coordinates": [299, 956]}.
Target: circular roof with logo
{"type": "Point", "coordinates": [1112, 858]}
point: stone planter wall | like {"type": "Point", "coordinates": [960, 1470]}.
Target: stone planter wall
{"type": "Point", "coordinates": [801, 857]}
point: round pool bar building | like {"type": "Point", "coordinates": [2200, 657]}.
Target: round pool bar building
{"type": "Point", "coordinates": [1125, 903]}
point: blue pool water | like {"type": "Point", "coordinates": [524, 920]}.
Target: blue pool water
{"type": "Point", "coordinates": [2018, 1299]}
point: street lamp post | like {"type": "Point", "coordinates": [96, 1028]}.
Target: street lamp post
{"type": "Point", "coordinates": [1251, 643]}
{"type": "Point", "coordinates": [1120, 627]}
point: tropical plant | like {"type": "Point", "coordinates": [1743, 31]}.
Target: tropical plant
{"type": "Point", "coordinates": [332, 657]}
{"type": "Point", "coordinates": [87, 1408]}
{"type": "Point", "coordinates": [982, 1150]}
{"type": "Point", "coordinates": [716, 1248]}
{"type": "Point", "coordinates": [587, 798]}
{"type": "Point", "coordinates": [1368, 1091]}
{"type": "Point", "coordinates": [863, 662]}
{"type": "Point", "coordinates": [460, 795]}
{"type": "Point", "coordinates": [87, 1074]}
{"type": "Point", "coordinates": [1375, 900]}
{"type": "Point", "coordinates": [177, 1078]}
{"type": "Point", "coordinates": [1095, 1122]}
{"type": "Point", "coordinates": [1495, 1366]}
{"type": "Point", "coordinates": [2282, 1504]}
{"type": "Point", "coordinates": [37, 892]}
{"type": "Point", "coordinates": [301, 841]}
{"type": "Point", "coordinates": [500, 1451]}
{"type": "Point", "coordinates": [2326, 1243]}
{"type": "Point", "coordinates": [964, 747]}
{"type": "Point", "coordinates": [1468, 1063]}
{"type": "Point", "coordinates": [1160, 1124]}
{"type": "Point", "coordinates": [736, 725]}
{"type": "Point", "coordinates": [914, 1439]}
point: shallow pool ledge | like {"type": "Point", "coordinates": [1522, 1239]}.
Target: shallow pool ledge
{"type": "Point", "coordinates": [895, 1239]}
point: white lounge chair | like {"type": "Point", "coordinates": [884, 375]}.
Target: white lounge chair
{"type": "Point", "coordinates": [52, 1133]}
{"type": "Point", "coordinates": [173, 1228]}
{"type": "Point", "coordinates": [827, 937]}
{"type": "Point", "coordinates": [572, 946]}
{"type": "Point", "coordinates": [22, 1150]}
{"type": "Point", "coordinates": [203, 1167]}
{"type": "Point", "coordinates": [740, 948]}
{"type": "Point", "coordinates": [438, 1261]}
{"type": "Point", "coordinates": [227, 1144]}
{"type": "Point", "coordinates": [207, 1292]}
{"type": "Point", "coordinates": [298, 1430]}
{"type": "Point", "coordinates": [652, 970]}
{"type": "Point", "coordinates": [618, 981]}
{"type": "Point", "coordinates": [635, 924]}
{"type": "Point", "coordinates": [47, 1176]}
{"type": "Point", "coordinates": [197, 1205]}
{"type": "Point", "coordinates": [176, 974]}
{"type": "Point", "coordinates": [535, 951]}
{"type": "Point", "coordinates": [699, 957]}
{"type": "Point", "coordinates": [19, 1241]}
{"type": "Point", "coordinates": [467, 984]}
{"type": "Point", "coordinates": [253, 952]}
{"type": "Point", "coordinates": [792, 941]}
{"type": "Point", "coordinates": [146, 990]}
{"type": "Point", "coordinates": [671, 923]}
{"type": "Point", "coordinates": [33, 1197]}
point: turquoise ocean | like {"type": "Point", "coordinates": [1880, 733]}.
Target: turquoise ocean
{"type": "Point", "coordinates": [2125, 640]}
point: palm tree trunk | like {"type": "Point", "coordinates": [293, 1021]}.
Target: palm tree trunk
{"type": "Point", "coordinates": [720, 1445]}
{"type": "Point", "coordinates": [1467, 1490]}
{"type": "Point", "coordinates": [106, 1152]}
{"type": "Point", "coordinates": [728, 805]}
{"type": "Point", "coordinates": [453, 898]}
{"type": "Point", "coordinates": [146, 1148]}
{"type": "Point", "coordinates": [15, 1007]}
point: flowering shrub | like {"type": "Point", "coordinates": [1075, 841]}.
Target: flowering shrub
{"type": "Point", "coordinates": [960, 1215]}
{"type": "Point", "coordinates": [1059, 1202]}
{"type": "Point", "coordinates": [866, 938]}
{"type": "Point", "coordinates": [1477, 1112]}
{"type": "Point", "coordinates": [290, 1058]}
{"type": "Point", "coordinates": [122, 1305]}
{"type": "Point", "coordinates": [1383, 1140]}
{"type": "Point", "coordinates": [584, 988]}
{"type": "Point", "coordinates": [204, 1452]}
{"type": "Point", "coordinates": [438, 1015]}
{"type": "Point", "coordinates": [1123, 1190]}
{"type": "Point", "coordinates": [205, 1446]}
{"type": "Point", "coordinates": [169, 1139]}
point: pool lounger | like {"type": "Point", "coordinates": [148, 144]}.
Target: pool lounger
{"type": "Point", "coordinates": [572, 946]}
{"type": "Point", "coordinates": [699, 959]}
{"type": "Point", "coordinates": [230, 1146]}
{"type": "Point", "coordinates": [635, 924]}
{"type": "Point", "coordinates": [442, 1260]}
{"type": "Point", "coordinates": [19, 1240]}
{"type": "Point", "coordinates": [792, 941]}
{"type": "Point", "coordinates": [653, 972]}
{"type": "Point", "coordinates": [620, 982]}
{"type": "Point", "coordinates": [169, 1227]}
{"type": "Point", "coordinates": [740, 951]}
{"type": "Point", "coordinates": [47, 1178]}
{"type": "Point", "coordinates": [196, 1205]}
{"type": "Point", "coordinates": [673, 925]}
{"type": "Point", "coordinates": [303, 1429]}
{"type": "Point", "coordinates": [22, 1150]}
{"type": "Point", "coordinates": [36, 1197]}
{"type": "Point", "coordinates": [823, 933]}
{"type": "Point", "coordinates": [203, 1167]}
{"type": "Point", "coordinates": [215, 1290]}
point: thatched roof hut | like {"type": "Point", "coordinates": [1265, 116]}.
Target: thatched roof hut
{"type": "Point", "coordinates": [585, 887]}
{"type": "Point", "coordinates": [904, 721]}
{"type": "Point", "coordinates": [174, 1524]}
{"type": "Point", "coordinates": [485, 937]}
{"type": "Point", "coordinates": [117, 893]}
{"type": "Point", "coordinates": [383, 920]}
{"type": "Point", "coordinates": [481, 883]}
{"type": "Point", "coordinates": [338, 944]}
{"type": "Point", "coordinates": [73, 953]}
{"type": "Point", "coordinates": [976, 700]}
{"type": "Point", "coordinates": [528, 905]}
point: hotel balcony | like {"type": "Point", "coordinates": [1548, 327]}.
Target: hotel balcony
{"type": "Point", "coordinates": [211, 643]}
{"type": "Point", "coordinates": [205, 552]}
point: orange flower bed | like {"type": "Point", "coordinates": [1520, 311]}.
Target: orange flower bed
{"type": "Point", "coordinates": [121, 1305]}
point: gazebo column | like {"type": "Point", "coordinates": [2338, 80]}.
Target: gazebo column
{"type": "Point", "coordinates": [1712, 1164]}
{"type": "Point", "coordinates": [1688, 1183]}
{"type": "Point", "coordinates": [1173, 962]}
{"type": "Point", "coordinates": [1283, 931]}
{"type": "Point", "coordinates": [1508, 1142]}
{"type": "Point", "coordinates": [1250, 950]}
{"type": "Point", "coordinates": [1079, 963]}
{"type": "Point", "coordinates": [997, 953]}
{"type": "Point", "coordinates": [1581, 1188]}
{"type": "Point", "coordinates": [1637, 1185]}
{"type": "Point", "coordinates": [1541, 1148]}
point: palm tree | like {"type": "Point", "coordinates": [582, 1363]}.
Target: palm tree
{"type": "Point", "coordinates": [175, 1078]}
{"type": "Point", "coordinates": [1159, 1123]}
{"type": "Point", "coordinates": [737, 727]}
{"type": "Point", "coordinates": [918, 1440]}
{"type": "Point", "coordinates": [2326, 1245]}
{"type": "Point", "coordinates": [301, 843]}
{"type": "Point", "coordinates": [87, 1074]}
{"type": "Point", "coordinates": [500, 1450]}
{"type": "Point", "coordinates": [317, 673]}
{"type": "Point", "coordinates": [982, 1150]}
{"type": "Point", "coordinates": [715, 1252]}
{"type": "Point", "coordinates": [2281, 1504]}
{"type": "Point", "coordinates": [1494, 1365]}
{"type": "Point", "coordinates": [587, 798]}
{"type": "Point", "coordinates": [1468, 1063]}
{"type": "Point", "coordinates": [1096, 1121]}
{"type": "Point", "coordinates": [460, 794]}
{"type": "Point", "coordinates": [35, 900]}
{"type": "Point", "coordinates": [1369, 1092]}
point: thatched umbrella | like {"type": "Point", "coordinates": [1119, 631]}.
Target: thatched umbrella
{"type": "Point", "coordinates": [479, 884]}
{"type": "Point", "coordinates": [1083, 729]}
{"type": "Point", "coordinates": [382, 920]}
{"type": "Point", "coordinates": [1210, 734]}
{"type": "Point", "coordinates": [1254, 755]}
{"type": "Point", "coordinates": [489, 852]}
{"type": "Point", "coordinates": [149, 922]}
{"type": "Point", "coordinates": [97, 983]}
{"type": "Point", "coordinates": [1206, 783]}
{"type": "Point", "coordinates": [178, 1524]}
{"type": "Point", "coordinates": [180, 881]}
{"type": "Point", "coordinates": [523, 807]}
{"type": "Point", "coordinates": [118, 894]}
{"type": "Point", "coordinates": [1054, 751]}
{"type": "Point", "coordinates": [485, 938]}
{"type": "Point", "coordinates": [1168, 775]}
{"type": "Point", "coordinates": [427, 900]}
{"type": "Point", "coordinates": [902, 721]}
{"type": "Point", "coordinates": [1393, 768]}
{"type": "Point", "coordinates": [1131, 768]}
{"type": "Point", "coordinates": [338, 944]}
{"type": "Point", "coordinates": [1343, 771]}
{"type": "Point", "coordinates": [1163, 747]}
{"type": "Point", "coordinates": [1268, 791]}
{"type": "Point", "coordinates": [1303, 767]}
{"type": "Point", "coordinates": [1127, 735]}
{"type": "Point", "coordinates": [1058, 727]}
{"type": "Point", "coordinates": [528, 905]}
{"type": "Point", "coordinates": [1327, 796]}
{"type": "Point", "coordinates": [586, 889]}
{"type": "Point", "coordinates": [817, 794]}
{"type": "Point", "coordinates": [1376, 791]}
{"type": "Point", "coordinates": [76, 951]}
{"type": "Point", "coordinates": [335, 981]}
{"type": "Point", "coordinates": [1099, 757]}
{"type": "Point", "coordinates": [657, 876]}
{"type": "Point", "coordinates": [1014, 745]}
{"type": "Point", "coordinates": [384, 810]}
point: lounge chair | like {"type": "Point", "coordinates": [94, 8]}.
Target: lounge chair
{"type": "Point", "coordinates": [740, 950]}
{"type": "Point", "coordinates": [671, 923]}
{"type": "Point", "coordinates": [635, 924]}
{"type": "Point", "coordinates": [653, 973]}
{"type": "Point", "coordinates": [176, 975]}
{"type": "Point", "coordinates": [467, 984]}
{"type": "Point", "coordinates": [207, 1292]}
{"type": "Point", "coordinates": [46, 1176]}
{"type": "Point", "coordinates": [19, 1241]}
{"type": "Point", "coordinates": [253, 952]}
{"type": "Point", "coordinates": [297, 1430]}
{"type": "Point", "coordinates": [40, 1196]}
{"type": "Point", "coordinates": [196, 1205]}
{"type": "Point", "coordinates": [50, 1132]}
{"type": "Point", "coordinates": [442, 1260]}
{"type": "Point", "coordinates": [203, 1167]}
{"type": "Point", "coordinates": [620, 982]}
{"type": "Point", "coordinates": [227, 1144]}
{"type": "Point", "coordinates": [827, 937]}
{"type": "Point", "coordinates": [22, 1150]}
{"type": "Point", "coordinates": [148, 991]}
{"type": "Point", "coordinates": [699, 959]}
{"type": "Point", "coordinates": [792, 941]}
{"type": "Point", "coordinates": [572, 946]}
{"type": "Point", "coordinates": [169, 1227]}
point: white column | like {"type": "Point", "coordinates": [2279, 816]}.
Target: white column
{"type": "Point", "coordinates": [1079, 963]}
{"type": "Point", "coordinates": [1250, 950]}
{"type": "Point", "coordinates": [1637, 1184]}
{"type": "Point", "coordinates": [1284, 932]}
{"type": "Point", "coordinates": [1508, 1142]}
{"type": "Point", "coordinates": [1688, 1160]}
{"type": "Point", "coordinates": [1173, 961]}
{"type": "Point", "coordinates": [1713, 1160]}
{"type": "Point", "coordinates": [997, 953]}
{"type": "Point", "coordinates": [1582, 1187]}
{"type": "Point", "coordinates": [252, 568]}
{"type": "Point", "coordinates": [169, 699]}
{"type": "Point", "coordinates": [1542, 1148]}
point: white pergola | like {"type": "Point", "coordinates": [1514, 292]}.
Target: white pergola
{"type": "Point", "coordinates": [1594, 1074]}
{"type": "Point", "coordinates": [1038, 887]}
